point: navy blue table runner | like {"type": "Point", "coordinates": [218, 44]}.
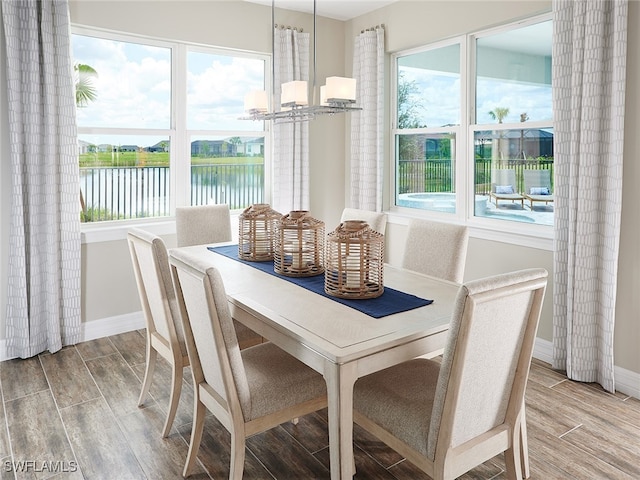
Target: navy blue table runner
{"type": "Point", "coordinates": [391, 301]}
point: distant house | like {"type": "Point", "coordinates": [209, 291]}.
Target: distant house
{"type": "Point", "coordinates": [523, 144]}
{"type": "Point", "coordinates": [162, 146]}
{"type": "Point", "coordinates": [85, 147]}
{"type": "Point", "coordinates": [128, 148]}
{"type": "Point", "coordinates": [213, 148]}
{"type": "Point", "coordinates": [254, 147]}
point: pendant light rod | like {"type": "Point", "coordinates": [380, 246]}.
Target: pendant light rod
{"type": "Point", "coordinates": [337, 96]}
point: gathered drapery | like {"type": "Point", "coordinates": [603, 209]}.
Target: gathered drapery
{"type": "Point", "coordinates": [43, 297]}
{"type": "Point", "coordinates": [367, 135]}
{"type": "Point", "coordinates": [290, 172]}
{"type": "Point", "coordinates": [589, 68]}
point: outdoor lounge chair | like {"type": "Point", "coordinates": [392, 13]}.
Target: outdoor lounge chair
{"type": "Point", "coordinates": [537, 186]}
{"type": "Point", "coordinates": [504, 187]}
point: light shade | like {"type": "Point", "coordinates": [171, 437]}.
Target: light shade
{"type": "Point", "coordinates": [256, 101]}
{"type": "Point", "coordinates": [340, 89]}
{"type": "Point", "coordinates": [294, 94]}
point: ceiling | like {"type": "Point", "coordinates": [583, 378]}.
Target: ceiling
{"type": "Point", "coordinates": [336, 9]}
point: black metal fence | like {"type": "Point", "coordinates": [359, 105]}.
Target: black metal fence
{"type": "Point", "coordinates": [117, 193]}
{"type": "Point", "coordinates": [437, 175]}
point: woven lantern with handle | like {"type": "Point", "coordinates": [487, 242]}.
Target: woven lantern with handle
{"type": "Point", "coordinates": [257, 225]}
{"type": "Point", "coordinates": [354, 261]}
{"type": "Point", "coordinates": [299, 245]}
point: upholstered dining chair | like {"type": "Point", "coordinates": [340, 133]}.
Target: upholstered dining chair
{"type": "Point", "coordinates": [161, 313]}
{"type": "Point", "coordinates": [436, 248]}
{"type": "Point", "coordinates": [376, 220]}
{"type": "Point", "coordinates": [202, 224]}
{"type": "Point", "coordinates": [448, 417]}
{"type": "Point", "coordinates": [248, 391]}
{"type": "Point", "coordinates": [206, 224]}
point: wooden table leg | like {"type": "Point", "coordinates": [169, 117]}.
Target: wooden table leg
{"type": "Point", "coordinates": [340, 380]}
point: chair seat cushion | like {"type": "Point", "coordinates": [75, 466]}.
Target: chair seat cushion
{"type": "Point", "coordinates": [277, 380]}
{"type": "Point", "coordinates": [400, 400]}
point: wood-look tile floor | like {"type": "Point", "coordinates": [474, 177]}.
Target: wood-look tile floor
{"type": "Point", "coordinates": [74, 415]}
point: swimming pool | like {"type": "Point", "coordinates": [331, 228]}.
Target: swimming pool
{"type": "Point", "coordinates": [440, 201]}
{"type": "Point", "coordinates": [446, 202]}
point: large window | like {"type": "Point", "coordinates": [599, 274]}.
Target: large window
{"type": "Point", "coordinates": [428, 123]}
{"type": "Point", "coordinates": [474, 116]}
{"type": "Point", "coordinates": [158, 126]}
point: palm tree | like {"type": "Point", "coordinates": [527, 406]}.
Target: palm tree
{"type": "Point", "coordinates": [498, 113]}
{"type": "Point", "coordinates": [523, 118]}
{"type": "Point", "coordinates": [85, 91]}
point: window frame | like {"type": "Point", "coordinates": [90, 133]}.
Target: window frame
{"type": "Point", "coordinates": [519, 233]}
{"type": "Point", "coordinates": [178, 132]}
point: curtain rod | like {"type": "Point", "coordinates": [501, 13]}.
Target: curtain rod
{"type": "Point", "coordinates": [286, 27]}
{"type": "Point", "coordinates": [373, 28]}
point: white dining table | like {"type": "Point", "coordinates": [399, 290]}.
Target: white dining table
{"type": "Point", "coordinates": [336, 340]}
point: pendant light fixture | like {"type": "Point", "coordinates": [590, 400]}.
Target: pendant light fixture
{"type": "Point", "coordinates": [338, 95]}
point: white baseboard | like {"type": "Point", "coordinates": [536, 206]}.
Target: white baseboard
{"type": "Point", "coordinates": [99, 328]}
{"type": "Point", "coordinates": [626, 381]}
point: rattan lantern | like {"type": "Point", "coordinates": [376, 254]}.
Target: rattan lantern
{"type": "Point", "coordinates": [257, 225]}
{"type": "Point", "coordinates": [354, 261]}
{"type": "Point", "coordinates": [299, 245]}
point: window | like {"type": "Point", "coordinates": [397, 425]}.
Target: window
{"type": "Point", "coordinates": [475, 115]}
{"type": "Point", "coordinates": [158, 126]}
{"type": "Point", "coordinates": [428, 123]}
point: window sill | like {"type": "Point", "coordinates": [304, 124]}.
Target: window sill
{"type": "Point", "coordinates": [117, 230]}
{"type": "Point", "coordinates": [539, 236]}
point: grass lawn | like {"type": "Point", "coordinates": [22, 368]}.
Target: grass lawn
{"type": "Point", "coordinates": [154, 159]}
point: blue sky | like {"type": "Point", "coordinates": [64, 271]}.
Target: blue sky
{"type": "Point", "coordinates": [134, 88]}
{"type": "Point", "coordinates": [439, 95]}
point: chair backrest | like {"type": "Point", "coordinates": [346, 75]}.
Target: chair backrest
{"type": "Point", "coordinates": [436, 248]}
{"type": "Point", "coordinates": [376, 220]}
{"type": "Point", "coordinates": [487, 357]}
{"type": "Point", "coordinates": [210, 336]}
{"type": "Point", "coordinates": [536, 179]}
{"type": "Point", "coordinates": [155, 286]}
{"type": "Point", "coordinates": [504, 177]}
{"type": "Point", "coordinates": [200, 224]}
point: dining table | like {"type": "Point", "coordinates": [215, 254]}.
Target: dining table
{"type": "Point", "coordinates": [341, 339]}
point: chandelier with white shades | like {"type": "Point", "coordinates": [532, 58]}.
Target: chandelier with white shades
{"type": "Point", "coordinates": [338, 95]}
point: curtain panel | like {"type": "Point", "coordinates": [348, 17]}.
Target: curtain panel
{"type": "Point", "coordinates": [43, 298]}
{"type": "Point", "coordinates": [367, 134]}
{"type": "Point", "coordinates": [589, 68]}
{"type": "Point", "coordinates": [290, 180]}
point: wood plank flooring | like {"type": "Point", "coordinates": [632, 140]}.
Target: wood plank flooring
{"type": "Point", "coordinates": [74, 415]}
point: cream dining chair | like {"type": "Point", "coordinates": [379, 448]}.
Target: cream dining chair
{"type": "Point", "coordinates": [202, 224]}
{"type": "Point", "coordinates": [249, 391]}
{"type": "Point", "coordinates": [448, 417]}
{"type": "Point", "coordinates": [436, 248]}
{"type": "Point", "coordinates": [207, 224]}
{"type": "Point", "coordinates": [161, 313]}
{"type": "Point", "coordinates": [377, 221]}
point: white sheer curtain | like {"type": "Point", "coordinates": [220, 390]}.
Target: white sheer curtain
{"type": "Point", "coordinates": [290, 181]}
{"type": "Point", "coordinates": [43, 298]}
{"type": "Point", "coordinates": [589, 64]}
{"type": "Point", "coordinates": [367, 161]}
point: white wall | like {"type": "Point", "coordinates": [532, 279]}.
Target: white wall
{"type": "Point", "coordinates": [108, 286]}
